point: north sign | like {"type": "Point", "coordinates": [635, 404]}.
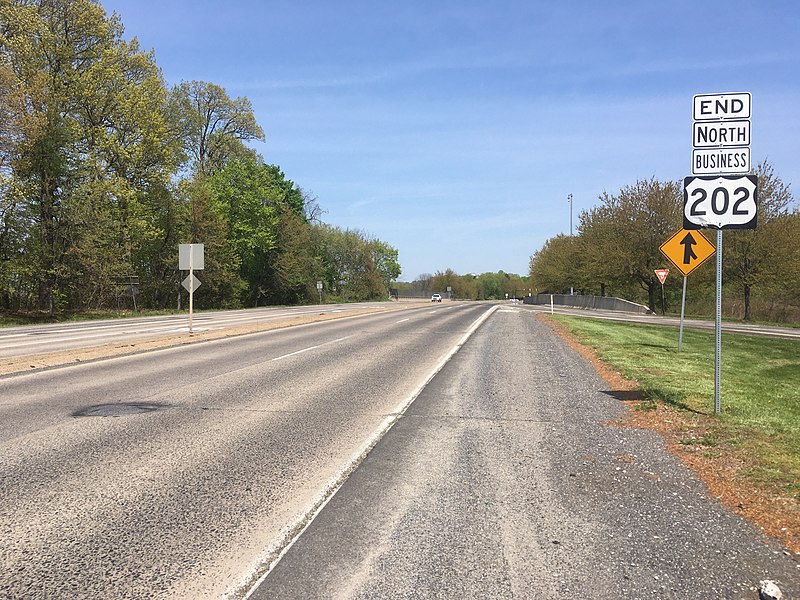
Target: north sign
{"type": "Point", "coordinates": [687, 250]}
{"type": "Point", "coordinates": [715, 134]}
{"type": "Point", "coordinates": [722, 202]}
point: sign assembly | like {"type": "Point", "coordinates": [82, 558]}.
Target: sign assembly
{"type": "Point", "coordinates": [721, 195]}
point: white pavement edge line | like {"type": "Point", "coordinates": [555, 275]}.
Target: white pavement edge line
{"type": "Point", "coordinates": [304, 520]}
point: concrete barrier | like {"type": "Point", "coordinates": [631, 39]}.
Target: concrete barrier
{"type": "Point", "coordinates": [588, 302]}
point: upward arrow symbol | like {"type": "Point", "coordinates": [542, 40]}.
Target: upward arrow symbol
{"type": "Point", "coordinates": [688, 252]}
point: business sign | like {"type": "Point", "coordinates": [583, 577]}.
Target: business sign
{"type": "Point", "coordinates": [721, 134]}
{"type": "Point", "coordinates": [714, 161]}
{"type": "Point", "coordinates": [687, 250]}
{"type": "Point", "coordinates": [724, 202]}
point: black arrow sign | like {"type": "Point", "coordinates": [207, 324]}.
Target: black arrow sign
{"type": "Point", "coordinates": [688, 252]}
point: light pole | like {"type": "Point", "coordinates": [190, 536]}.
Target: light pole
{"type": "Point", "coordinates": [569, 198]}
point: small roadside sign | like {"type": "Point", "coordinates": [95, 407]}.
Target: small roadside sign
{"type": "Point", "coordinates": [191, 257]}
{"type": "Point", "coordinates": [687, 250]}
{"type": "Point", "coordinates": [662, 275]}
{"type": "Point", "coordinates": [711, 107]}
{"type": "Point", "coordinates": [191, 283]}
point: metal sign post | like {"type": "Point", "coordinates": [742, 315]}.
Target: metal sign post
{"type": "Point", "coordinates": [683, 305]}
{"type": "Point", "coordinates": [191, 291]}
{"type": "Point", "coordinates": [718, 331]}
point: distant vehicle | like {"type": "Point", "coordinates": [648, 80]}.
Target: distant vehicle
{"type": "Point", "coordinates": [436, 298]}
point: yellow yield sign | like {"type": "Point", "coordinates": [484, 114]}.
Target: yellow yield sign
{"type": "Point", "coordinates": [687, 250]}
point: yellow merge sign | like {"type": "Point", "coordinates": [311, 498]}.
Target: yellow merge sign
{"type": "Point", "coordinates": [687, 250]}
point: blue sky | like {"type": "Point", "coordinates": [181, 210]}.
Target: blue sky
{"type": "Point", "coordinates": [454, 130]}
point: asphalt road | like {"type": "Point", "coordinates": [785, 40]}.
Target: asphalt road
{"type": "Point", "coordinates": [185, 472]}
{"type": "Point", "coordinates": [505, 479]}
{"type": "Point", "coordinates": [34, 339]}
{"type": "Point", "coordinates": [171, 474]}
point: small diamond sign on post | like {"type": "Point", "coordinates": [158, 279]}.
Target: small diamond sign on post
{"type": "Point", "coordinates": [191, 257]}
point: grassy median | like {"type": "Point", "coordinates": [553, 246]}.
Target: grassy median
{"type": "Point", "coordinates": [760, 420]}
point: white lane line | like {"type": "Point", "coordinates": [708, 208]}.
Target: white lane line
{"type": "Point", "coordinates": [403, 320]}
{"type": "Point", "coordinates": [295, 353]}
{"type": "Point", "coordinates": [302, 521]}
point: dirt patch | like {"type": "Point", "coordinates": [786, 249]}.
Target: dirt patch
{"type": "Point", "coordinates": [690, 437]}
{"type": "Point", "coordinates": [18, 364]}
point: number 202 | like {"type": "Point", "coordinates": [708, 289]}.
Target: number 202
{"type": "Point", "coordinates": [718, 209]}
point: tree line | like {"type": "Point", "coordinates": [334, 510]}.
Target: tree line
{"type": "Point", "coordinates": [105, 169]}
{"type": "Point", "coordinates": [486, 286]}
{"type": "Point", "coordinates": [616, 252]}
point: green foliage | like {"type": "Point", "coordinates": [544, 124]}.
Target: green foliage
{"type": "Point", "coordinates": [104, 171]}
{"type": "Point", "coordinates": [213, 126]}
{"type": "Point", "coordinates": [556, 267]}
{"type": "Point", "coordinates": [347, 260]}
{"type": "Point", "coordinates": [758, 258]}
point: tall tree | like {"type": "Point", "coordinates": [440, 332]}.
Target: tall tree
{"type": "Point", "coordinates": [89, 138]}
{"type": "Point", "coordinates": [385, 259]}
{"type": "Point", "coordinates": [555, 268]}
{"type": "Point", "coordinates": [753, 258]}
{"type": "Point", "coordinates": [213, 126]}
{"type": "Point", "coordinates": [249, 198]}
{"type": "Point", "coordinates": [625, 232]}
{"type": "Point", "coordinates": [348, 263]}
{"type": "Point", "coordinates": [50, 47]}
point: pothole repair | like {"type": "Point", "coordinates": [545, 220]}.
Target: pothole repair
{"type": "Point", "coordinates": [120, 409]}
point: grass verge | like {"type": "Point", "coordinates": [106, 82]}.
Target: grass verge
{"type": "Point", "coordinates": [749, 456]}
